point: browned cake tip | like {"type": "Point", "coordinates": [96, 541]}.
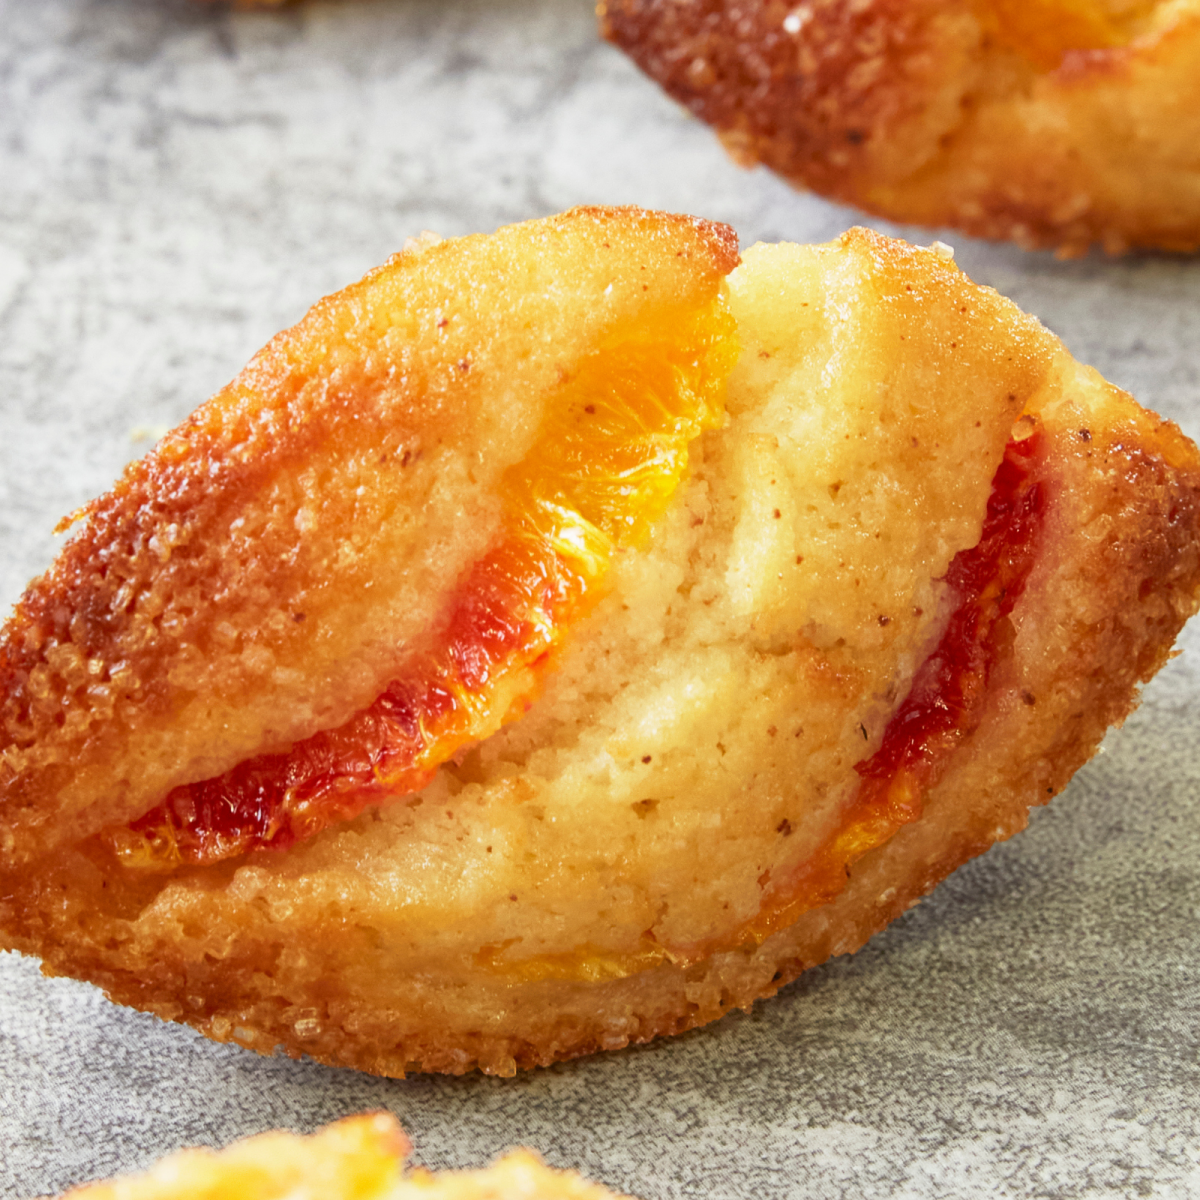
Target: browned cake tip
{"type": "Point", "coordinates": [1060, 123]}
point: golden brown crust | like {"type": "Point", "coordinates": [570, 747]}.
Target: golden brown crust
{"type": "Point", "coordinates": [849, 87]}
{"type": "Point", "coordinates": [304, 526]}
{"type": "Point", "coordinates": [1118, 574]}
{"type": "Point", "coordinates": [1134, 473]}
{"type": "Point", "coordinates": [923, 111]}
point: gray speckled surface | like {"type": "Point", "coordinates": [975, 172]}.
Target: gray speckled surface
{"type": "Point", "coordinates": [176, 183]}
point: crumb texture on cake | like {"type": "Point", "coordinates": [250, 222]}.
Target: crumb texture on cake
{"type": "Point", "coordinates": [597, 872]}
{"type": "Point", "coordinates": [273, 562]}
{"type": "Point", "coordinates": [1056, 123]}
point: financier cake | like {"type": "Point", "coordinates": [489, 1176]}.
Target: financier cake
{"type": "Point", "coordinates": [358, 1158]}
{"type": "Point", "coordinates": [1056, 123]}
{"type": "Point", "coordinates": [562, 637]}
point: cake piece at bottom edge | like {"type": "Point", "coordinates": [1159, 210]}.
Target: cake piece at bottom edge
{"type": "Point", "coordinates": [358, 1158]}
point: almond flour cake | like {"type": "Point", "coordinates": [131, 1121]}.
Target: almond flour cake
{"type": "Point", "coordinates": [415, 716]}
{"type": "Point", "coordinates": [1056, 123]}
{"type": "Point", "coordinates": [358, 1158]}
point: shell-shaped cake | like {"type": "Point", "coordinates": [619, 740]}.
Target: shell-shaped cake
{"type": "Point", "coordinates": [565, 636]}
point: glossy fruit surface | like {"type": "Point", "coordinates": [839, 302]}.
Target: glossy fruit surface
{"type": "Point", "coordinates": [1043, 32]}
{"type": "Point", "coordinates": [611, 451]}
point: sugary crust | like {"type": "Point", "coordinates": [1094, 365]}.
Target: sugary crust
{"type": "Point", "coordinates": [812, 100]}
{"type": "Point", "coordinates": [922, 111]}
{"type": "Point", "coordinates": [1118, 574]}
{"type": "Point", "coordinates": [357, 1158]}
{"type": "Point", "coordinates": [263, 572]}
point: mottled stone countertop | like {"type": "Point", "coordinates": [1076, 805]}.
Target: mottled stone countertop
{"type": "Point", "coordinates": [179, 182]}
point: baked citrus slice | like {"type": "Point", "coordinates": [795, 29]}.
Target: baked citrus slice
{"type": "Point", "coordinates": [611, 449]}
{"type": "Point", "coordinates": [896, 598]}
{"type": "Point", "coordinates": [1045, 31]}
{"type": "Point", "coordinates": [358, 1158]}
{"type": "Point", "coordinates": [357, 558]}
{"type": "Point", "coordinates": [1058, 123]}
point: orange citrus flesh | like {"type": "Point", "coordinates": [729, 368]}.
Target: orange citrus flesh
{"type": "Point", "coordinates": [943, 706]}
{"type": "Point", "coordinates": [946, 700]}
{"type": "Point", "coordinates": [611, 451]}
{"type": "Point", "coordinates": [1044, 30]}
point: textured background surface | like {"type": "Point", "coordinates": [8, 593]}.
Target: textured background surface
{"type": "Point", "coordinates": [176, 184]}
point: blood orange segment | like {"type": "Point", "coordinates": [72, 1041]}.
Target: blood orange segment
{"type": "Point", "coordinates": [946, 700]}
{"type": "Point", "coordinates": [1043, 32]}
{"type": "Point", "coordinates": [611, 451]}
{"type": "Point", "coordinates": [943, 706]}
